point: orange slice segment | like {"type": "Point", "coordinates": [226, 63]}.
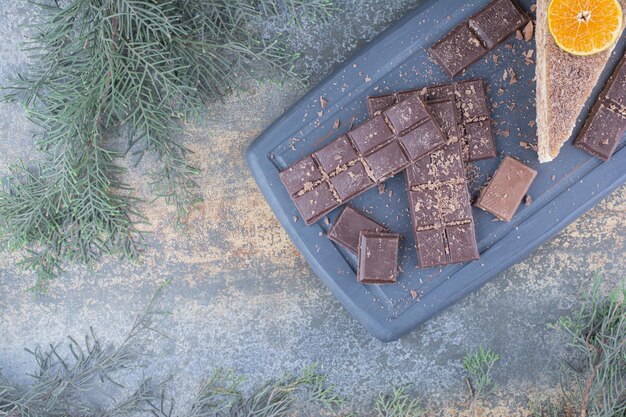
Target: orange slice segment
{"type": "Point", "coordinates": [585, 27]}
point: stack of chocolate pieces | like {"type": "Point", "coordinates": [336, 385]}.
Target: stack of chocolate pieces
{"type": "Point", "coordinates": [429, 133]}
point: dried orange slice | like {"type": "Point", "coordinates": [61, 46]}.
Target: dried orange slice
{"type": "Point", "coordinates": [585, 27]}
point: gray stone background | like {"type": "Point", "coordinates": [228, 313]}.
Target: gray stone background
{"type": "Point", "coordinates": [243, 298]}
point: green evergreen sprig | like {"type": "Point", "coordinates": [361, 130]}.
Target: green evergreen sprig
{"type": "Point", "coordinates": [479, 367]}
{"type": "Point", "coordinates": [594, 378]}
{"type": "Point", "coordinates": [100, 69]}
{"type": "Point", "coordinates": [67, 377]}
{"type": "Point", "coordinates": [399, 403]}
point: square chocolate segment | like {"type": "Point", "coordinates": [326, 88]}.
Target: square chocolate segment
{"type": "Point", "coordinates": [380, 103]}
{"type": "Point", "coordinates": [315, 203]}
{"type": "Point", "coordinates": [472, 100]}
{"type": "Point", "coordinates": [602, 133]}
{"type": "Point", "coordinates": [445, 113]}
{"type": "Point", "coordinates": [349, 225]}
{"type": "Point", "coordinates": [431, 248]}
{"type": "Point", "coordinates": [424, 207]}
{"type": "Point", "coordinates": [507, 188]}
{"type": "Point", "coordinates": [461, 243]}
{"type": "Point", "coordinates": [480, 144]}
{"type": "Point", "coordinates": [420, 172]}
{"type": "Point", "coordinates": [337, 153]}
{"type": "Point", "coordinates": [493, 23]}
{"type": "Point", "coordinates": [447, 163]}
{"type": "Point", "coordinates": [350, 182]}
{"type": "Point", "coordinates": [616, 86]}
{"type": "Point", "coordinates": [387, 161]}
{"type": "Point", "coordinates": [378, 258]}
{"type": "Point", "coordinates": [458, 49]}
{"type": "Point", "coordinates": [422, 140]}
{"type": "Point", "coordinates": [371, 134]}
{"type": "Point", "coordinates": [407, 114]}
{"type": "Point", "coordinates": [454, 203]}
{"type": "Point", "coordinates": [473, 38]}
{"type": "Point", "coordinates": [606, 123]}
{"type": "Point", "coordinates": [301, 176]}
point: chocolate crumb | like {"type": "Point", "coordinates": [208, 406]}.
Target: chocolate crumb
{"type": "Point", "coordinates": [323, 102]}
{"type": "Point", "coordinates": [528, 31]}
{"type": "Point", "coordinates": [500, 91]}
{"type": "Point", "coordinates": [351, 123]}
{"type": "Point", "coordinates": [518, 35]}
{"type": "Point", "coordinates": [326, 220]}
{"type": "Point", "coordinates": [527, 145]}
{"type": "Point", "coordinates": [553, 177]}
{"type": "Point", "coordinates": [531, 123]}
{"type": "Point", "coordinates": [533, 8]}
{"type": "Point", "coordinates": [381, 188]}
{"type": "Point", "coordinates": [495, 59]}
{"type": "Point", "coordinates": [368, 78]}
{"type": "Point", "coordinates": [413, 294]}
{"type": "Point", "coordinates": [320, 113]}
{"type": "Point", "coordinates": [513, 76]}
{"type": "Point", "coordinates": [336, 124]}
{"type": "Point", "coordinates": [528, 200]}
{"type": "Point", "coordinates": [295, 219]}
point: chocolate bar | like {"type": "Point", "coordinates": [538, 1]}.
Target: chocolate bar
{"type": "Point", "coordinates": [439, 201]}
{"type": "Point", "coordinates": [472, 39]}
{"type": "Point", "coordinates": [473, 112]}
{"type": "Point", "coordinates": [369, 154]}
{"type": "Point", "coordinates": [606, 124]}
{"type": "Point", "coordinates": [378, 258]}
{"type": "Point", "coordinates": [507, 188]}
{"type": "Point", "coordinates": [349, 225]}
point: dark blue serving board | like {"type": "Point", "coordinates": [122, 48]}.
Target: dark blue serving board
{"type": "Point", "coordinates": [396, 60]}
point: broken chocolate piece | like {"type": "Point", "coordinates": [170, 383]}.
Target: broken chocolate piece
{"type": "Point", "coordinates": [507, 188]}
{"type": "Point", "coordinates": [440, 209]}
{"type": "Point", "coordinates": [606, 124]}
{"type": "Point", "coordinates": [470, 101]}
{"type": "Point", "coordinates": [378, 258]}
{"type": "Point", "coordinates": [346, 167]}
{"type": "Point", "coordinates": [349, 225]}
{"type": "Point", "coordinates": [473, 38]}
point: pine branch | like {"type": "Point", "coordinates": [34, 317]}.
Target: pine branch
{"type": "Point", "coordinates": [221, 395]}
{"type": "Point", "coordinates": [398, 404]}
{"type": "Point", "coordinates": [479, 366]}
{"type": "Point", "coordinates": [597, 340]}
{"type": "Point", "coordinates": [99, 67]}
{"type": "Point", "coordinates": [65, 377]}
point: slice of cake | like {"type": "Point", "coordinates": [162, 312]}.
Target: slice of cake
{"type": "Point", "coordinates": [564, 83]}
